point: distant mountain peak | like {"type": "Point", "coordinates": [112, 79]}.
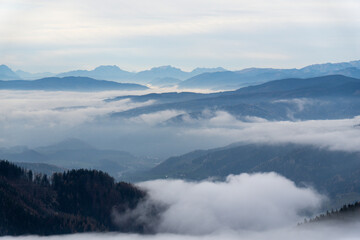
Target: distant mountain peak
{"type": "Point", "coordinates": [67, 144]}
{"type": "Point", "coordinates": [4, 67]}
{"type": "Point", "coordinates": [107, 67]}
{"type": "Point", "coordinates": [217, 69]}
{"type": "Point", "coordinates": [165, 67]}
{"type": "Point", "coordinates": [7, 74]}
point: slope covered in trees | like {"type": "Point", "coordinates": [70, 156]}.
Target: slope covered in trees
{"type": "Point", "coordinates": [334, 173]}
{"type": "Point", "coordinates": [347, 213]}
{"type": "Point", "coordinates": [69, 202]}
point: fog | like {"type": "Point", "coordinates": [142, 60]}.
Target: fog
{"type": "Point", "coordinates": [255, 207]}
{"type": "Point", "coordinates": [243, 202]}
{"type": "Point", "coordinates": [36, 118]}
{"type": "Point", "coordinates": [319, 233]}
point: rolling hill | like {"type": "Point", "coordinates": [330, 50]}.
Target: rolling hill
{"type": "Point", "coordinates": [327, 97]}
{"type": "Point", "coordinates": [76, 154]}
{"type": "Point", "coordinates": [334, 173]}
{"type": "Point", "coordinates": [68, 84]}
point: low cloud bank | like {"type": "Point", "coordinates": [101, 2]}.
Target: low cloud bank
{"type": "Point", "coordinates": [350, 232]}
{"type": "Point", "coordinates": [246, 202]}
{"type": "Point", "coordinates": [36, 118]}
{"type": "Point", "coordinates": [341, 134]}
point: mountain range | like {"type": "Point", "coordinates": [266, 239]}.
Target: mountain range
{"type": "Point", "coordinates": [328, 97]}
{"type": "Point", "coordinates": [200, 78]}
{"type": "Point", "coordinates": [164, 75]}
{"type": "Point", "coordinates": [252, 76]}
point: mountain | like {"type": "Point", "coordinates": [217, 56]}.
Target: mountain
{"type": "Point", "coordinates": [102, 72]}
{"type": "Point", "coordinates": [168, 97]}
{"type": "Point", "coordinates": [216, 80]}
{"type": "Point", "coordinates": [328, 97]}
{"type": "Point", "coordinates": [72, 202]}
{"type": "Point", "coordinates": [161, 72]}
{"type": "Point", "coordinates": [346, 214]}
{"type": "Point", "coordinates": [33, 76]}
{"type": "Point", "coordinates": [198, 71]}
{"type": "Point", "coordinates": [335, 173]}
{"type": "Point", "coordinates": [7, 74]}
{"type": "Point", "coordinates": [199, 78]}
{"type": "Point", "coordinates": [329, 67]}
{"type": "Point", "coordinates": [250, 76]}
{"type": "Point", "coordinates": [162, 76]}
{"type": "Point", "coordinates": [76, 154]}
{"type": "Point", "coordinates": [68, 84]}
{"type": "Point", "coordinates": [351, 71]}
{"type": "Point", "coordinates": [67, 144]}
{"type": "Point", "coordinates": [309, 87]}
{"type": "Point", "coordinates": [41, 168]}
{"type": "Point", "coordinates": [165, 82]}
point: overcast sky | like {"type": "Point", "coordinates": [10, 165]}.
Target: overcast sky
{"type": "Point", "coordinates": [47, 35]}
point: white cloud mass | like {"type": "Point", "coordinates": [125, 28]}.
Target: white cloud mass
{"type": "Point", "coordinates": [255, 202]}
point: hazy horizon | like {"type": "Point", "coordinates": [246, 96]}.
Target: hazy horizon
{"type": "Point", "coordinates": [89, 68]}
{"type": "Point", "coordinates": [58, 36]}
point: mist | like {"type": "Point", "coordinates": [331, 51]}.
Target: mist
{"type": "Point", "coordinates": [36, 118]}
{"type": "Point", "coordinates": [246, 202]}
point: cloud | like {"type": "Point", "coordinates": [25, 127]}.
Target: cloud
{"type": "Point", "coordinates": [255, 202]}
{"type": "Point", "coordinates": [340, 134]}
{"type": "Point", "coordinates": [156, 117]}
{"type": "Point", "coordinates": [36, 118]}
{"type": "Point", "coordinates": [299, 102]}
{"type": "Point", "coordinates": [319, 233]}
{"type": "Point", "coordinates": [54, 109]}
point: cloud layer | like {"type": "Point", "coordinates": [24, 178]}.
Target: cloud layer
{"type": "Point", "coordinates": [342, 134]}
{"type": "Point", "coordinates": [37, 118]}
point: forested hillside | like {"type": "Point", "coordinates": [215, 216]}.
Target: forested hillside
{"type": "Point", "coordinates": [347, 213]}
{"type": "Point", "coordinates": [69, 202]}
{"type": "Point", "coordinates": [334, 173]}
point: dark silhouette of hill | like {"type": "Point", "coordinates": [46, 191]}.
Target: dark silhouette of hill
{"type": "Point", "coordinates": [69, 202]}
{"type": "Point", "coordinates": [68, 84]}
{"type": "Point", "coordinates": [346, 214]}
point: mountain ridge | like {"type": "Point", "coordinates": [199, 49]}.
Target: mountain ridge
{"type": "Point", "coordinates": [68, 84]}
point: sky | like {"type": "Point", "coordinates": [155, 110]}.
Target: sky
{"type": "Point", "coordinates": [56, 36]}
